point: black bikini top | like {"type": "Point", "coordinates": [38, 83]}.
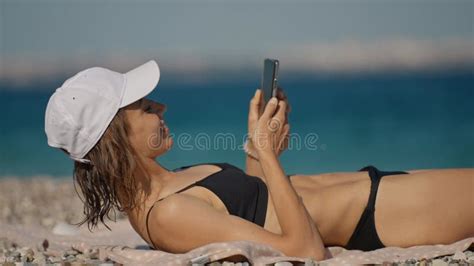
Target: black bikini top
{"type": "Point", "coordinates": [243, 195]}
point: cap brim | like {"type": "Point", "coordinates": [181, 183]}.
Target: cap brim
{"type": "Point", "coordinates": [140, 82]}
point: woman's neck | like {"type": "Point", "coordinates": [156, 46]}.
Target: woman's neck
{"type": "Point", "coordinates": [151, 177]}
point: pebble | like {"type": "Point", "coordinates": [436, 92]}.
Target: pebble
{"type": "Point", "coordinates": [459, 256]}
{"type": "Point", "coordinates": [15, 254]}
{"type": "Point", "coordinates": [93, 255]}
{"type": "Point", "coordinates": [40, 259]}
{"type": "Point", "coordinates": [424, 262]}
{"type": "Point", "coordinates": [52, 253]}
{"type": "Point", "coordinates": [71, 252]}
{"type": "Point", "coordinates": [439, 262]}
{"type": "Point", "coordinates": [94, 262]}
{"type": "Point", "coordinates": [12, 259]}
{"type": "Point", "coordinates": [27, 255]}
{"type": "Point", "coordinates": [81, 257]}
{"type": "Point", "coordinates": [45, 244]}
{"type": "Point", "coordinates": [54, 259]}
{"type": "Point", "coordinates": [283, 263]}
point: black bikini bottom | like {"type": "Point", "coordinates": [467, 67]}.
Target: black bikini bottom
{"type": "Point", "coordinates": [365, 235]}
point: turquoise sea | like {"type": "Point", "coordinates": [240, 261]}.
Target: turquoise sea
{"type": "Point", "coordinates": [392, 121]}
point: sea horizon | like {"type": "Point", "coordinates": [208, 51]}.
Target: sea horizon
{"type": "Point", "coordinates": [392, 120]}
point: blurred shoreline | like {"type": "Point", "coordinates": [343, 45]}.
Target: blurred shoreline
{"type": "Point", "coordinates": [344, 57]}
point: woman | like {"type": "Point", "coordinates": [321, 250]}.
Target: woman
{"type": "Point", "coordinates": [102, 119]}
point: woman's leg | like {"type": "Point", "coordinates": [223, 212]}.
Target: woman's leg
{"type": "Point", "coordinates": [425, 207]}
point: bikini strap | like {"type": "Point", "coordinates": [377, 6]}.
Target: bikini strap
{"type": "Point", "coordinates": [375, 177]}
{"type": "Point", "coordinates": [149, 211]}
{"type": "Point", "coordinates": [146, 222]}
{"type": "Point", "coordinates": [374, 184]}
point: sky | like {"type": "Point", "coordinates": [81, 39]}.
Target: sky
{"type": "Point", "coordinates": [43, 38]}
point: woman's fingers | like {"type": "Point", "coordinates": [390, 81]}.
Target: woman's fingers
{"type": "Point", "coordinates": [254, 106]}
{"type": "Point", "coordinates": [281, 113]}
{"type": "Point", "coordinates": [282, 97]}
{"type": "Point", "coordinates": [280, 94]}
{"type": "Point", "coordinates": [285, 137]}
{"type": "Point", "coordinates": [261, 103]}
{"type": "Point", "coordinates": [276, 123]}
{"type": "Point", "coordinates": [270, 108]}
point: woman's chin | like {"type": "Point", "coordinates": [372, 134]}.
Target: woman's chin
{"type": "Point", "coordinates": [165, 145]}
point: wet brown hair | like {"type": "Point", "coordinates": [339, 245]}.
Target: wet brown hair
{"type": "Point", "coordinates": [108, 183]}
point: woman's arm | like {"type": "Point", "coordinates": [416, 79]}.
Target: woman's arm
{"type": "Point", "coordinates": [295, 222]}
{"type": "Point", "coordinates": [294, 219]}
{"type": "Point", "coordinates": [252, 167]}
{"type": "Point", "coordinates": [181, 223]}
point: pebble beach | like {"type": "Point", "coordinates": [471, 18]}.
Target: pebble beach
{"type": "Point", "coordinates": [51, 204]}
{"type": "Point", "coordinates": [39, 201]}
{"type": "Point", "coordinates": [46, 203]}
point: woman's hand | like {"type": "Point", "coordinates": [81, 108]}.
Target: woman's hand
{"type": "Point", "coordinates": [255, 113]}
{"type": "Point", "coordinates": [268, 132]}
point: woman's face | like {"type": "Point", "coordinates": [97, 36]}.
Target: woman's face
{"type": "Point", "coordinates": [148, 133]}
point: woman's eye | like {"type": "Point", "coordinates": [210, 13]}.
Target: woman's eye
{"type": "Point", "coordinates": [149, 109]}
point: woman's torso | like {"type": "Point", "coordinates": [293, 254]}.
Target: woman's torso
{"type": "Point", "coordinates": [308, 187]}
{"type": "Point", "coordinates": [335, 201]}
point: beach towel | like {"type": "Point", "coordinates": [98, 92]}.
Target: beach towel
{"type": "Point", "coordinates": [124, 245]}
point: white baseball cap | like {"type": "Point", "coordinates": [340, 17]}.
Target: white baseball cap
{"type": "Point", "coordinates": [79, 112]}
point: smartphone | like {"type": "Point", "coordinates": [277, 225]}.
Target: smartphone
{"type": "Point", "coordinates": [269, 80]}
